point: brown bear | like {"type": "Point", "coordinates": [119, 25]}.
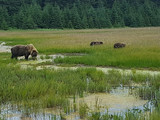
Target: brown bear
{"type": "Point", "coordinates": [95, 43]}
{"type": "Point", "coordinates": [119, 45]}
{"type": "Point", "coordinates": [24, 50]}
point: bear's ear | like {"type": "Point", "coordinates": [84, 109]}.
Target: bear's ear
{"type": "Point", "coordinates": [35, 51]}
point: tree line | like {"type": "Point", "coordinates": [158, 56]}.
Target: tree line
{"type": "Point", "coordinates": [78, 14]}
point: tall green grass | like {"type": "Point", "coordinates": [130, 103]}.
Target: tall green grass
{"type": "Point", "coordinates": [32, 90]}
{"type": "Point", "coordinates": [124, 58]}
{"type": "Point", "coordinates": [18, 84]}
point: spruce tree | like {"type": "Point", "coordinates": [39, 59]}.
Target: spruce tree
{"type": "Point", "coordinates": [58, 17]}
{"type": "Point", "coordinates": [79, 14]}
{"type": "Point", "coordinates": [19, 19]}
{"type": "Point", "coordinates": [36, 14]}
{"type": "Point", "coordinates": [75, 18]}
{"type": "Point", "coordinates": [28, 23]}
{"type": "Point", "coordinates": [4, 25]}
{"type": "Point", "coordinates": [66, 18]}
{"type": "Point", "coordinates": [85, 22]}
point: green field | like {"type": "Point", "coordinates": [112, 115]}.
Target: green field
{"type": "Point", "coordinates": [142, 45]}
{"type": "Point", "coordinates": [32, 90]}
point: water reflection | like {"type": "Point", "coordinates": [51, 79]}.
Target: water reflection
{"type": "Point", "coordinates": [119, 101]}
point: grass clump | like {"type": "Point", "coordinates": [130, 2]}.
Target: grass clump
{"type": "Point", "coordinates": [83, 109]}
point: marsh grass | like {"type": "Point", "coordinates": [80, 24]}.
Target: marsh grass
{"type": "Point", "coordinates": [32, 90]}
{"type": "Point", "coordinates": [123, 58]}
{"type": "Point", "coordinates": [47, 57]}
{"type": "Point", "coordinates": [45, 63]}
{"type": "Point", "coordinates": [83, 109]}
{"type": "Point", "coordinates": [142, 45]}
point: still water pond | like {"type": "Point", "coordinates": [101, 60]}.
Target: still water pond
{"type": "Point", "coordinates": [118, 101]}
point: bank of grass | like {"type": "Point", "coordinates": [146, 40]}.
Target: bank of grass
{"type": "Point", "coordinates": [142, 45]}
{"type": "Point", "coordinates": [123, 58]}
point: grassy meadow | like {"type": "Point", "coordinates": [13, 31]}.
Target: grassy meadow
{"type": "Point", "coordinates": [31, 90]}
{"type": "Point", "coordinates": [142, 45]}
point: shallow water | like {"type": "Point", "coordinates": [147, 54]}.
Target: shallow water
{"type": "Point", "coordinates": [4, 47]}
{"type": "Point", "coordinates": [29, 63]}
{"type": "Point", "coordinates": [39, 59]}
{"type": "Point", "coordinates": [118, 101]}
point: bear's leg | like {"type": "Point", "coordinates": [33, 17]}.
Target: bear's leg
{"type": "Point", "coordinates": [26, 56]}
{"type": "Point", "coordinates": [12, 56]}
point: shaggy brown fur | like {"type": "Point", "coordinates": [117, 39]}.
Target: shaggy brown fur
{"type": "Point", "coordinates": [119, 45]}
{"type": "Point", "coordinates": [24, 50]}
{"type": "Point", "coordinates": [95, 43]}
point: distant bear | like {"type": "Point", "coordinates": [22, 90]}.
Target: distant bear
{"type": "Point", "coordinates": [95, 43]}
{"type": "Point", "coordinates": [119, 45]}
{"type": "Point", "coordinates": [24, 50]}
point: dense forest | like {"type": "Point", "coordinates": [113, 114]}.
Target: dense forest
{"type": "Point", "coordinates": [78, 14]}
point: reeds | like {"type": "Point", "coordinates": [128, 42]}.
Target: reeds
{"type": "Point", "coordinates": [34, 89]}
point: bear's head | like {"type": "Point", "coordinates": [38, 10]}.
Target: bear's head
{"type": "Point", "coordinates": [34, 53]}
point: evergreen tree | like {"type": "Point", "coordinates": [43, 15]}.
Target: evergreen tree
{"type": "Point", "coordinates": [101, 14]}
{"type": "Point", "coordinates": [108, 21]}
{"type": "Point", "coordinates": [75, 18]}
{"type": "Point", "coordinates": [92, 20]}
{"type": "Point", "coordinates": [4, 25]}
{"type": "Point", "coordinates": [66, 17]}
{"type": "Point", "coordinates": [78, 14]}
{"type": "Point", "coordinates": [36, 14]}
{"type": "Point", "coordinates": [70, 24]}
{"type": "Point", "coordinates": [4, 18]}
{"type": "Point", "coordinates": [117, 20]}
{"type": "Point", "coordinates": [19, 19]}
{"type": "Point", "coordinates": [85, 22]}
{"type": "Point", "coordinates": [46, 17]}
{"type": "Point", "coordinates": [28, 23]}
{"type": "Point", "coordinates": [57, 15]}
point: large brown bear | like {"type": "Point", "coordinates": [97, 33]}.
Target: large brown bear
{"type": "Point", "coordinates": [95, 43]}
{"type": "Point", "coordinates": [119, 45]}
{"type": "Point", "coordinates": [24, 50]}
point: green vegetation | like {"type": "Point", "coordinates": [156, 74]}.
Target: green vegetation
{"type": "Point", "coordinates": [116, 58]}
{"type": "Point", "coordinates": [141, 51]}
{"type": "Point", "coordinates": [78, 14]}
{"type": "Point", "coordinates": [32, 90]}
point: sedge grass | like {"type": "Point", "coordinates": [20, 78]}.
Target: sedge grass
{"type": "Point", "coordinates": [49, 88]}
{"type": "Point", "coordinates": [34, 89]}
{"type": "Point", "coordinates": [142, 45]}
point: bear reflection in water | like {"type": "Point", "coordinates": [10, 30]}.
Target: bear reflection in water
{"type": "Point", "coordinates": [24, 50]}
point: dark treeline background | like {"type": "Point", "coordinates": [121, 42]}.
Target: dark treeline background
{"type": "Point", "coordinates": [78, 14]}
